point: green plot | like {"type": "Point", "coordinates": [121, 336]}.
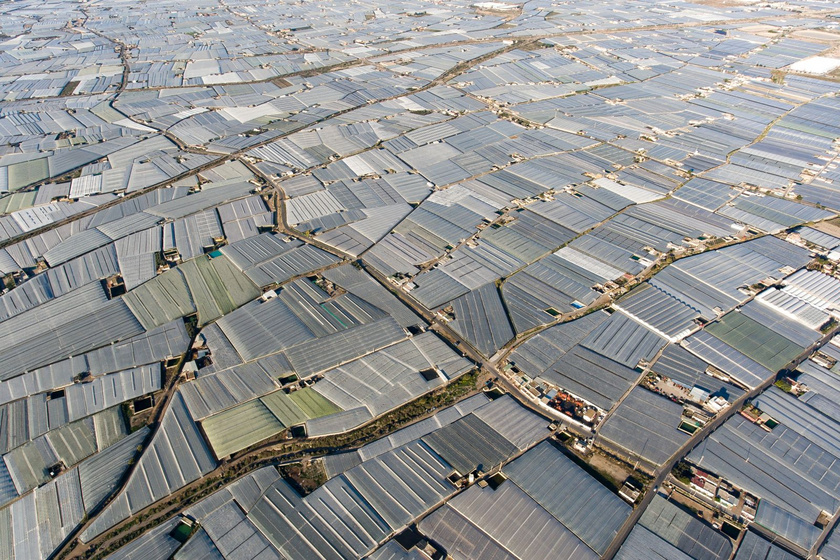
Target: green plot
{"type": "Point", "coordinates": [161, 299]}
{"type": "Point", "coordinates": [17, 201]}
{"type": "Point", "coordinates": [217, 287]}
{"type": "Point", "coordinates": [284, 408]}
{"type": "Point", "coordinates": [6, 536]}
{"type": "Point", "coordinates": [29, 466]}
{"type": "Point", "coordinates": [313, 404]}
{"type": "Point", "coordinates": [240, 427]}
{"type": "Point", "coordinates": [27, 172]}
{"type": "Point", "coordinates": [110, 427]}
{"type": "Point", "coordinates": [238, 288]}
{"type": "Point", "coordinates": [73, 442]}
{"type": "Point", "coordinates": [107, 113]}
{"type": "Point", "coordinates": [205, 289]}
{"type": "Point", "coordinates": [211, 287]}
{"type": "Point", "coordinates": [751, 338]}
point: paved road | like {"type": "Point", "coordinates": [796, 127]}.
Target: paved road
{"type": "Point", "coordinates": [439, 327]}
{"type": "Point", "coordinates": [662, 472]}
